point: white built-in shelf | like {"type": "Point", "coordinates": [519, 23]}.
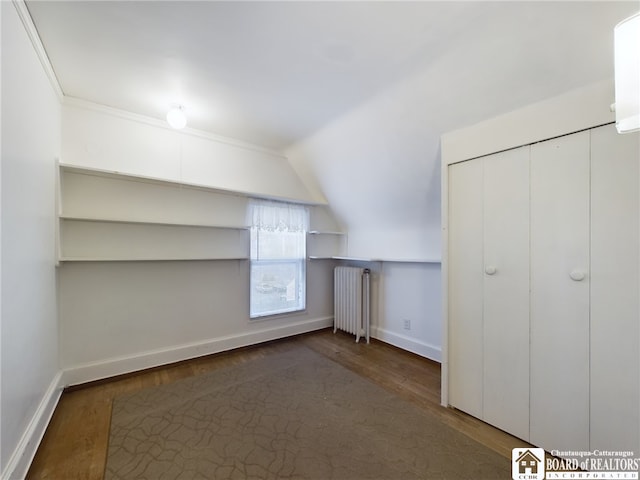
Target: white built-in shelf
{"type": "Point", "coordinates": [388, 260]}
{"type": "Point", "coordinates": [121, 241]}
{"type": "Point", "coordinates": [147, 222]}
{"type": "Point", "coordinates": [324, 244]}
{"type": "Point", "coordinates": [161, 181]}
{"type": "Point", "coordinates": [320, 232]}
{"type": "Point", "coordinates": [107, 217]}
{"type": "Point", "coordinates": [112, 174]}
{"type": "Point", "coordinates": [159, 259]}
{"type": "Point", "coordinates": [110, 216]}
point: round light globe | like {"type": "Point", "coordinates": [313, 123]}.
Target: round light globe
{"type": "Point", "coordinates": [176, 118]}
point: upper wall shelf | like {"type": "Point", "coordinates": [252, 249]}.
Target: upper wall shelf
{"type": "Point", "coordinates": [159, 181]}
{"type": "Point", "coordinates": [326, 244]}
{"type": "Point", "coordinates": [105, 217]}
{"type": "Point", "coordinates": [147, 222]}
{"type": "Point", "coordinates": [109, 216]}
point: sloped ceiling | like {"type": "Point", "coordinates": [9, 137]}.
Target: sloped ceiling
{"type": "Point", "coordinates": [379, 164]}
{"type": "Point", "coordinates": [357, 94]}
{"type": "Point", "coordinates": [275, 72]}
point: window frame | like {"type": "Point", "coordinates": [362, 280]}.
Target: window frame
{"type": "Point", "coordinates": [299, 262]}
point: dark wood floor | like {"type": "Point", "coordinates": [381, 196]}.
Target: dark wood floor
{"type": "Point", "coordinates": [75, 444]}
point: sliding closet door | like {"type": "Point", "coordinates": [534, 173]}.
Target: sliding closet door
{"type": "Point", "coordinates": [614, 290]}
{"type": "Point", "coordinates": [465, 287]}
{"type": "Point", "coordinates": [560, 293]}
{"type": "Point", "coordinates": [506, 291]}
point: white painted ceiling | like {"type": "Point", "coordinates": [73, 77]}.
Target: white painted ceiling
{"type": "Point", "coordinates": [272, 73]}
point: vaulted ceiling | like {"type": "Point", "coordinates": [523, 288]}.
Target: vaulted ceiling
{"type": "Point", "coordinates": [273, 73]}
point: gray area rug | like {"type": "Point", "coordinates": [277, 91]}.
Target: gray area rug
{"type": "Point", "coordinates": [291, 415]}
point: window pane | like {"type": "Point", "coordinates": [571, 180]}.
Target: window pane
{"type": "Point", "coordinates": [277, 286]}
{"type": "Point", "coordinates": [277, 245]}
{"type": "Point", "coordinates": [278, 256]}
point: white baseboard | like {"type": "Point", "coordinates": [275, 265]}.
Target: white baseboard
{"type": "Point", "coordinates": [407, 343]}
{"type": "Point", "coordinates": [120, 365]}
{"type": "Point", "coordinates": [18, 465]}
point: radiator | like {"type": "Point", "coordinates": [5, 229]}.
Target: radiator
{"type": "Point", "coordinates": [351, 301]}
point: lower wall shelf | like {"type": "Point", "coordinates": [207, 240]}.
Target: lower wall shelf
{"type": "Point", "coordinates": [209, 259]}
{"type": "Point", "coordinates": [385, 260]}
{"type": "Point", "coordinates": [96, 240]}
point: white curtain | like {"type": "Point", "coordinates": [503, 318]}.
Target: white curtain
{"type": "Point", "coordinates": [272, 216]}
{"type": "Point", "coordinates": [278, 230]}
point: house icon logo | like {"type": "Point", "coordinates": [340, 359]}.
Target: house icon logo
{"type": "Point", "coordinates": [527, 463]}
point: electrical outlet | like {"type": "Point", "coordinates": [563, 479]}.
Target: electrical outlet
{"type": "Point", "coordinates": [407, 324]}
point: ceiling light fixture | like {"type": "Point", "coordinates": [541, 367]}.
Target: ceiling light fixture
{"type": "Point", "coordinates": [176, 117]}
{"type": "Point", "coordinates": [627, 74]}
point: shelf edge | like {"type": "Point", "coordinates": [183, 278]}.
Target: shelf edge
{"type": "Point", "coordinates": [214, 259]}
{"type": "Point", "coordinates": [67, 167]}
{"type": "Point", "coordinates": [389, 260]}
{"type": "Point", "coordinates": [143, 222]}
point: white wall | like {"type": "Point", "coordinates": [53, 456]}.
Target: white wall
{"type": "Point", "coordinates": [118, 317]}
{"type": "Point", "coordinates": [99, 137]}
{"type": "Point", "coordinates": [572, 111]}
{"type": "Point", "coordinates": [410, 291]}
{"type": "Point", "coordinates": [121, 316]}
{"type": "Point", "coordinates": [30, 144]}
{"type": "Point", "coordinates": [379, 168]}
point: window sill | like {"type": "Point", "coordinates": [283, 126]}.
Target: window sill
{"type": "Point", "coordinates": [272, 316]}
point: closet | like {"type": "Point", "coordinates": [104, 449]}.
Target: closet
{"type": "Point", "coordinates": [489, 289]}
{"type": "Point", "coordinates": [543, 314]}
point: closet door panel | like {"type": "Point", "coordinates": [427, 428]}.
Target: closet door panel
{"type": "Point", "coordinates": [560, 293]}
{"type": "Point", "coordinates": [614, 290]}
{"type": "Point", "coordinates": [506, 291]}
{"type": "Point", "coordinates": [465, 287]}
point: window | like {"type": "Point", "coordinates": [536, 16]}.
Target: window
{"type": "Point", "coordinates": [278, 257]}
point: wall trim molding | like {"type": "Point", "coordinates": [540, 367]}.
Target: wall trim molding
{"type": "Point", "coordinates": [407, 343]}
{"type": "Point", "coordinates": [21, 458]}
{"type": "Point", "coordinates": [38, 46]}
{"type": "Point", "coordinates": [126, 364]}
{"type": "Point", "coordinates": [158, 123]}
{"type": "Point", "coordinates": [34, 37]}
{"type": "Point", "coordinates": [32, 33]}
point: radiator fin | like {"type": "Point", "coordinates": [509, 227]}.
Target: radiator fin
{"type": "Point", "coordinates": [351, 301]}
